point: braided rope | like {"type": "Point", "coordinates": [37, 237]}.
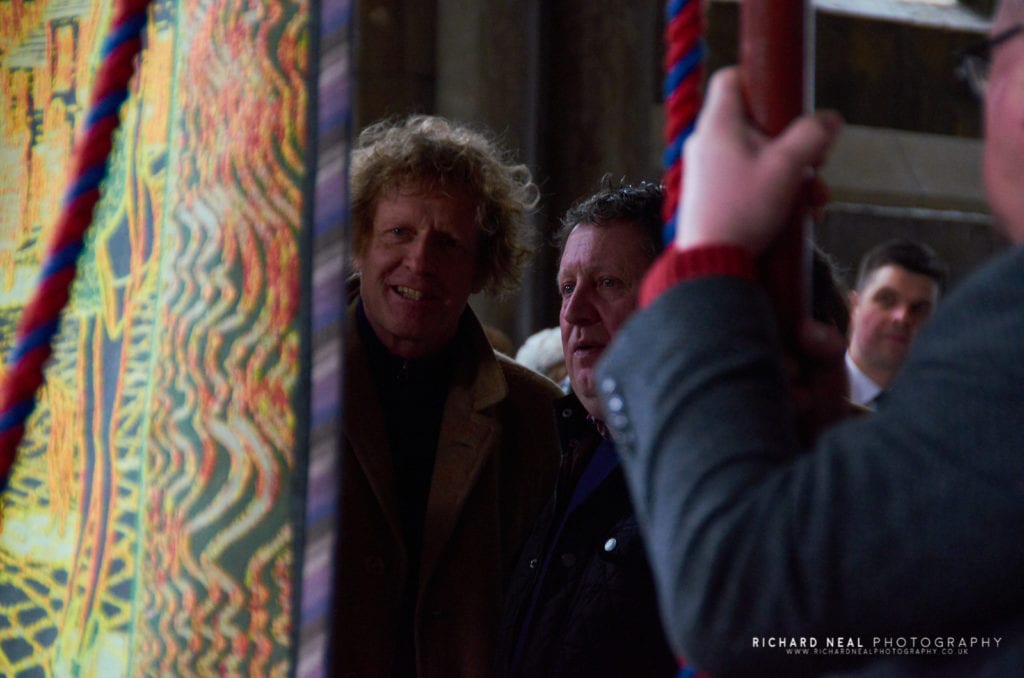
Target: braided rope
{"type": "Point", "coordinates": [684, 72]}
{"type": "Point", "coordinates": [40, 318]}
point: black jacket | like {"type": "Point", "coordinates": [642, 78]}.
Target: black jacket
{"type": "Point", "coordinates": [595, 611]}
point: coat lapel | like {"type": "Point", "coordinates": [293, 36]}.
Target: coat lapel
{"type": "Point", "coordinates": [468, 431]}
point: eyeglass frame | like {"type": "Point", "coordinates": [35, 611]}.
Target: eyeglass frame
{"type": "Point", "coordinates": [974, 61]}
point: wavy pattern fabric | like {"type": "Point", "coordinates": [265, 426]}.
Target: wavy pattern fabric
{"type": "Point", "coordinates": [148, 528]}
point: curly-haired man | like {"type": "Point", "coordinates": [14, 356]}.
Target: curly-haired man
{"type": "Point", "coordinates": [450, 448]}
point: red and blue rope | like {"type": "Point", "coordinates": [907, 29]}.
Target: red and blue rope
{"type": "Point", "coordinates": [684, 74]}
{"type": "Point", "coordinates": [40, 318]}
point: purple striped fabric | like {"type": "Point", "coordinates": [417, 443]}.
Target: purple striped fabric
{"type": "Point", "coordinates": [330, 227]}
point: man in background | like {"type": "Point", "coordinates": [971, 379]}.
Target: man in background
{"type": "Point", "coordinates": [898, 288]}
{"type": "Point", "coordinates": [582, 600]}
{"type": "Point", "coordinates": [542, 353]}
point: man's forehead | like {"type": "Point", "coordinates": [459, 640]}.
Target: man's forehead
{"type": "Point", "coordinates": [625, 234]}
{"type": "Point", "coordinates": [622, 229]}
{"type": "Point", "coordinates": [895, 278]}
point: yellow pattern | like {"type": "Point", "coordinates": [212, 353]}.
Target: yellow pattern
{"type": "Point", "coordinates": [148, 521]}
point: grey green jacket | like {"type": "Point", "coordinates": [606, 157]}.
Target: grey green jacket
{"type": "Point", "coordinates": [906, 523]}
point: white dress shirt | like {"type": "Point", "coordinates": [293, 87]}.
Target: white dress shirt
{"type": "Point", "coordinates": [862, 389]}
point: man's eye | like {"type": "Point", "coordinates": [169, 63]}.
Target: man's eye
{"type": "Point", "coordinates": [608, 282]}
{"type": "Point", "coordinates": [886, 300]}
{"type": "Point", "coordinates": [566, 289]}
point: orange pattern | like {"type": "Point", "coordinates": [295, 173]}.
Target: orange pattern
{"type": "Point", "coordinates": [148, 523]}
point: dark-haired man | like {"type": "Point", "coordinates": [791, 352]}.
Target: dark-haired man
{"type": "Point", "coordinates": [582, 600]}
{"type": "Point", "coordinates": [898, 288]}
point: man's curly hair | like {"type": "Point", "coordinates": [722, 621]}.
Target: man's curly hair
{"type": "Point", "coordinates": [430, 152]}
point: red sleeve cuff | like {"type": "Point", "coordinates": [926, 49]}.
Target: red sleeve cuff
{"type": "Point", "coordinates": [676, 265]}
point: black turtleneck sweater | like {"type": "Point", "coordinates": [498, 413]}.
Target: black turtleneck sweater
{"type": "Point", "coordinates": [412, 396]}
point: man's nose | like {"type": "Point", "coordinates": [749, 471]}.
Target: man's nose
{"type": "Point", "coordinates": [421, 255]}
{"type": "Point", "coordinates": [578, 308]}
{"type": "Point", "coordinates": [901, 314]}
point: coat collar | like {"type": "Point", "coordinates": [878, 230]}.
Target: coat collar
{"type": "Point", "coordinates": [469, 434]}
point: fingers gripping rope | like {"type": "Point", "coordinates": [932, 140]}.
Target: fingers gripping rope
{"type": "Point", "coordinates": [40, 319]}
{"type": "Point", "coordinates": [684, 71]}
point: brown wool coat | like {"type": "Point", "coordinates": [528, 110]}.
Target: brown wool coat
{"type": "Point", "coordinates": [497, 457]}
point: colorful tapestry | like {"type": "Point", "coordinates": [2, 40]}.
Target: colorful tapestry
{"type": "Point", "coordinates": [152, 525]}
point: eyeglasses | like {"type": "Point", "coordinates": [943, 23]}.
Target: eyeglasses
{"type": "Point", "coordinates": [973, 62]}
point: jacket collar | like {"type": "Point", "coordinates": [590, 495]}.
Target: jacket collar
{"type": "Point", "coordinates": [574, 422]}
{"type": "Point", "coordinates": [469, 428]}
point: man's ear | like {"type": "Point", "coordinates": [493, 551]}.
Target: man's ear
{"type": "Point", "coordinates": [853, 298]}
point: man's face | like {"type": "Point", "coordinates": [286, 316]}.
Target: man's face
{"type": "Point", "coordinates": [884, 317]}
{"type": "Point", "coordinates": [419, 268]}
{"type": "Point", "coordinates": [1004, 125]}
{"type": "Point", "coordinates": [598, 279]}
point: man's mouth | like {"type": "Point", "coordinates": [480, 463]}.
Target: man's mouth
{"type": "Point", "coordinates": [408, 293]}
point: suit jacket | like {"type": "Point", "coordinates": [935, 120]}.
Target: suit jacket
{"type": "Point", "coordinates": [497, 456]}
{"type": "Point", "coordinates": [903, 524]}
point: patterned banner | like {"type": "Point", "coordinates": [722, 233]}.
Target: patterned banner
{"type": "Point", "coordinates": [149, 522]}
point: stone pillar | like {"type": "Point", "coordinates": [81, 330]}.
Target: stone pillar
{"type": "Point", "coordinates": [489, 72]}
{"type": "Point", "coordinates": [395, 58]}
{"type": "Point", "coordinates": [574, 87]}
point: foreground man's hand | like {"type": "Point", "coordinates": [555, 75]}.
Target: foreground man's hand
{"type": "Point", "coordinates": [743, 186]}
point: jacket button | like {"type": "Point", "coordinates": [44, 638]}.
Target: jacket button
{"type": "Point", "coordinates": [610, 545]}
{"type": "Point", "coordinates": [374, 564]}
{"type": "Point", "coordinates": [566, 413]}
{"type": "Point", "coordinates": [615, 403]}
{"type": "Point", "coordinates": [568, 559]}
{"type": "Point", "coordinates": [608, 386]}
{"type": "Point", "coordinates": [533, 563]}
